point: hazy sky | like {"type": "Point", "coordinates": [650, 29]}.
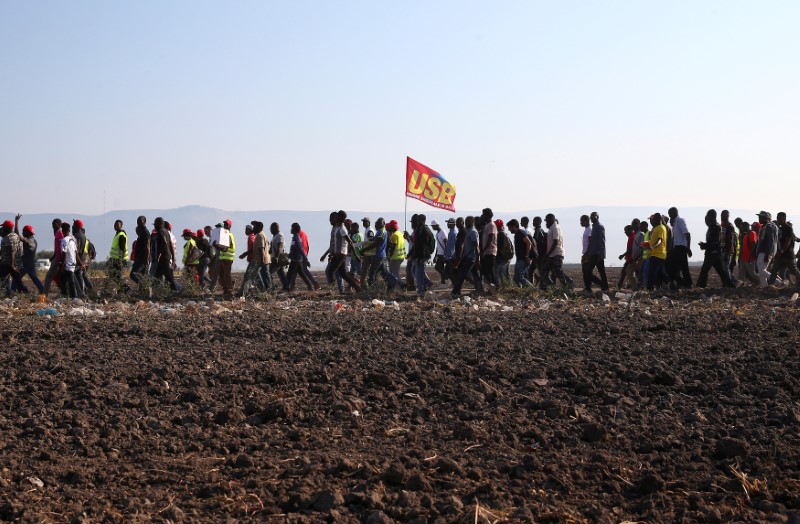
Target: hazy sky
{"type": "Point", "coordinates": [315, 105]}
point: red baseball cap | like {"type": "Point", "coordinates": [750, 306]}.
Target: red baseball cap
{"type": "Point", "coordinates": [228, 222]}
{"type": "Point", "coordinates": [200, 233]}
{"type": "Point", "coordinates": [78, 222]}
{"type": "Point", "coordinates": [393, 224]}
{"type": "Point", "coordinates": [187, 231]}
{"type": "Point", "coordinates": [498, 223]}
{"type": "Point", "coordinates": [29, 229]}
{"type": "Point", "coordinates": [8, 223]}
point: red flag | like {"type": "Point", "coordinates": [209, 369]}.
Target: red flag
{"type": "Point", "coordinates": [426, 185]}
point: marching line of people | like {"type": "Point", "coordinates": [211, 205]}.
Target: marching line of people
{"type": "Point", "coordinates": [474, 248]}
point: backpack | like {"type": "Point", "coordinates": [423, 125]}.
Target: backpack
{"type": "Point", "coordinates": [93, 251]}
{"type": "Point", "coordinates": [505, 248]}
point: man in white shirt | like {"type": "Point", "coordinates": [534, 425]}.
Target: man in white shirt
{"type": "Point", "coordinates": [69, 259]}
{"type": "Point", "coordinates": [554, 258]}
{"type": "Point", "coordinates": [441, 244]}
{"type": "Point", "coordinates": [681, 249]}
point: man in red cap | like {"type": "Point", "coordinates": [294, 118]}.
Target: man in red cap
{"type": "Point", "coordinates": [205, 260]}
{"type": "Point", "coordinates": [191, 256]}
{"type": "Point", "coordinates": [83, 260]}
{"type": "Point", "coordinates": [9, 254]}
{"type": "Point", "coordinates": [29, 246]}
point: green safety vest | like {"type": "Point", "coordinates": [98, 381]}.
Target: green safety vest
{"type": "Point", "coordinates": [116, 251]}
{"type": "Point", "coordinates": [646, 252]}
{"type": "Point", "coordinates": [230, 254]}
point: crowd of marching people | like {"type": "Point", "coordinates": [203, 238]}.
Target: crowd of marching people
{"type": "Point", "coordinates": [474, 248]}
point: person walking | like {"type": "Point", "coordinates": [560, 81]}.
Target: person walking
{"type": "Point", "coordinates": [555, 255]}
{"type": "Point", "coordinates": [298, 260]}
{"type": "Point", "coordinates": [681, 251]}
{"type": "Point", "coordinates": [191, 257]}
{"type": "Point", "coordinates": [367, 251]}
{"type": "Point", "coordinates": [441, 247]}
{"type": "Point", "coordinates": [595, 255]}
{"type": "Point", "coordinates": [117, 257]}
{"type": "Point", "coordinates": [395, 251]}
{"type": "Point", "coordinates": [713, 253]}
{"type": "Point", "coordinates": [29, 247]}
{"type": "Point", "coordinates": [522, 248]}
{"type": "Point", "coordinates": [341, 245]}
{"type": "Point", "coordinates": [784, 260]}
{"type": "Point", "coordinates": [226, 255]}
{"type": "Point", "coordinates": [140, 253]}
{"type": "Point", "coordinates": [165, 264]}
{"type": "Point", "coordinates": [488, 242]}
{"type": "Point", "coordinates": [469, 259]}
{"type": "Point", "coordinates": [55, 260]}
{"type": "Point", "coordinates": [10, 255]}
{"type": "Point", "coordinates": [747, 257]}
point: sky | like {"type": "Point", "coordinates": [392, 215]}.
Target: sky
{"type": "Point", "coordinates": [253, 105]}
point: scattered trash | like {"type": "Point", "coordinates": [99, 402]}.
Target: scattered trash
{"type": "Point", "coordinates": [47, 311]}
{"type": "Point", "coordinates": [36, 481]}
{"type": "Point", "coordinates": [794, 298]}
{"type": "Point", "coordinates": [379, 304]}
{"type": "Point", "coordinates": [85, 311]}
{"type": "Point", "coordinates": [622, 296]}
{"type": "Point", "coordinates": [606, 298]}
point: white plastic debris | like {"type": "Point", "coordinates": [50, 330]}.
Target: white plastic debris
{"type": "Point", "coordinates": [606, 298]}
{"type": "Point", "coordinates": [794, 298]}
{"type": "Point", "coordinates": [379, 304]}
{"type": "Point", "coordinates": [622, 296]}
{"type": "Point", "coordinates": [36, 481]}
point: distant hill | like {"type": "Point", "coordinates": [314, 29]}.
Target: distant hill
{"type": "Point", "coordinates": [99, 228]}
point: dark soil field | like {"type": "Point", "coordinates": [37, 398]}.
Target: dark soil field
{"type": "Point", "coordinates": [522, 408]}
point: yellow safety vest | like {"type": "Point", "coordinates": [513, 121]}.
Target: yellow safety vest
{"type": "Point", "coordinates": [646, 252]}
{"type": "Point", "coordinates": [230, 254]}
{"type": "Point", "coordinates": [116, 250]}
{"type": "Point", "coordinates": [399, 246]}
{"type": "Point", "coordinates": [186, 249]}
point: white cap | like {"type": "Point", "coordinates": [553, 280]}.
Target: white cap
{"type": "Point", "coordinates": [434, 223]}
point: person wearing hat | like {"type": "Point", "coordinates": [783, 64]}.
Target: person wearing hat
{"type": "Point", "coordinates": [441, 246]}
{"type": "Point", "coordinates": [227, 252]}
{"type": "Point", "coordinates": [767, 246]}
{"type": "Point", "coordinates": [380, 264]}
{"type": "Point", "coordinates": [82, 282]}
{"type": "Point", "coordinates": [712, 248]}
{"type": "Point", "coordinates": [202, 265]}
{"type": "Point", "coordinates": [29, 245]}
{"type": "Point", "coordinates": [395, 250]}
{"type": "Point", "coordinates": [9, 255]}
{"type": "Point", "coordinates": [191, 256]}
